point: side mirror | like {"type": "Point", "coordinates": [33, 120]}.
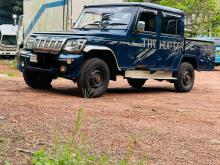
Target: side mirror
{"type": "Point", "coordinates": [141, 26]}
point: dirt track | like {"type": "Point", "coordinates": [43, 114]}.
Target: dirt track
{"type": "Point", "coordinates": [170, 128]}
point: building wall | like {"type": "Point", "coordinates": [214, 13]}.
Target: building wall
{"type": "Point", "coordinates": [54, 15]}
{"type": "Point", "coordinates": [43, 15]}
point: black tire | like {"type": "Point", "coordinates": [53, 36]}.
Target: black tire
{"type": "Point", "coordinates": [136, 83]}
{"type": "Point", "coordinates": [94, 78]}
{"type": "Point", "coordinates": [37, 80]}
{"type": "Point", "coordinates": [185, 78]}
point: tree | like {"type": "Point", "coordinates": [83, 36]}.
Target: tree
{"type": "Point", "coordinates": [18, 6]}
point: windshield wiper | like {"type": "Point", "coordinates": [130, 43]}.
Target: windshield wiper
{"type": "Point", "coordinates": [91, 24]}
{"type": "Point", "coordinates": [99, 24]}
{"type": "Point", "coordinates": [113, 24]}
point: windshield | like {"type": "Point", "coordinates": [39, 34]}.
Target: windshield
{"type": "Point", "coordinates": [9, 40]}
{"type": "Point", "coordinates": [105, 17]}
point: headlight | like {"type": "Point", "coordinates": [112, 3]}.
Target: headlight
{"type": "Point", "coordinates": [29, 43]}
{"type": "Point", "coordinates": [75, 46]}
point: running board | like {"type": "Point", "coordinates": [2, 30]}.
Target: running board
{"type": "Point", "coordinates": [143, 74]}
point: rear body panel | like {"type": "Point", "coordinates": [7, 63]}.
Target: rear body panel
{"type": "Point", "coordinates": [216, 42]}
{"type": "Point", "coordinates": [203, 51]}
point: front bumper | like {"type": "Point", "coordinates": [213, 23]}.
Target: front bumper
{"type": "Point", "coordinates": [8, 53]}
{"type": "Point", "coordinates": [70, 62]}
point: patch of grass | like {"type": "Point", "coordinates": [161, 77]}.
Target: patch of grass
{"type": "Point", "coordinates": [87, 93]}
{"type": "Point", "coordinates": [10, 63]}
{"type": "Point", "coordinates": [10, 74]}
{"type": "Point", "coordinates": [3, 144]}
{"type": "Point", "coordinates": [13, 63]}
{"type": "Point", "coordinates": [75, 152]}
{"type": "Point", "coordinates": [7, 163]}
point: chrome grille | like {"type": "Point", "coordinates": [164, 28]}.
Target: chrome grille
{"type": "Point", "coordinates": [48, 44]}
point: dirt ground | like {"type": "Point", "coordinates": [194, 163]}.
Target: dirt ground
{"type": "Point", "coordinates": [169, 128]}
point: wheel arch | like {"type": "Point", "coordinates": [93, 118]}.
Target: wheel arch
{"type": "Point", "coordinates": [190, 59]}
{"type": "Point", "coordinates": [107, 55]}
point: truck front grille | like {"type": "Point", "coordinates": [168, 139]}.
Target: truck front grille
{"type": "Point", "coordinates": [48, 45]}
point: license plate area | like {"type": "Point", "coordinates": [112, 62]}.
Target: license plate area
{"type": "Point", "coordinates": [33, 58]}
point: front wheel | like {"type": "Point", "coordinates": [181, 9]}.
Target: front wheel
{"type": "Point", "coordinates": [94, 78]}
{"type": "Point", "coordinates": [136, 83]}
{"type": "Point", "coordinates": [185, 78]}
{"type": "Point", "coordinates": [37, 80]}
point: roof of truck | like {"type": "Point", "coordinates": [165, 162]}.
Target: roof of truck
{"type": "Point", "coordinates": [8, 29]}
{"type": "Point", "coordinates": [149, 5]}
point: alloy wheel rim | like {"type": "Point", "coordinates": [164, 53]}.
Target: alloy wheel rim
{"type": "Point", "coordinates": [187, 78]}
{"type": "Point", "coordinates": [96, 78]}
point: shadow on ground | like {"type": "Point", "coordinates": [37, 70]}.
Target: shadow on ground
{"type": "Point", "coordinates": [110, 91]}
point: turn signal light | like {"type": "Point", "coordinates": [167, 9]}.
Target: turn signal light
{"type": "Point", "coordinates": [63, 69]}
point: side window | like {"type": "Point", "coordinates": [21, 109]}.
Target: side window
{"type": "Point", "coordinates": [150, 20]}
{"type": "Point", "coordinates": [170, 25]}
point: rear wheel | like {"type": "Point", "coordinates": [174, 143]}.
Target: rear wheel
{"type": "Point", "coordinates": [136, 83]}
{"type": "Point", "coordinates": [37, 80]}
{"type": "Point", "coordinates": [185, 78]}
{"type": "Point", "coordinates": [94, 78]}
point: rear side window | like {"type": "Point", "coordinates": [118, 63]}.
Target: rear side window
{"type": "Point", "coordinates": [150, 21]}
{"type": "Point", "coordinates": [170, 24]}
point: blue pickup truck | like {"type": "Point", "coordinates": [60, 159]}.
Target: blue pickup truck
{"type": "Point", "coordinates": [139, 41]}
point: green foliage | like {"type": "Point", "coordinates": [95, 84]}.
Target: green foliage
{"type": "Point", "coordinates": [3, 143]}
{"type": "Point", "coordinates": [7, 163]}
{"type": "Point", "coordinates": [10, 63]}
{"type": "Point", "coordinates": [88, 93]}
{"type": "Point", "coordinates": [75, 152]}
{"type": "Point", "coordinates": [18, 6]}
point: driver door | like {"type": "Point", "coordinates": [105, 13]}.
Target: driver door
{"type": "Point", "coordinates": [145, 44]}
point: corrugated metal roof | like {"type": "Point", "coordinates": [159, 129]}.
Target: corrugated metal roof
{"type": "Point", "coordinates": [150, 5]}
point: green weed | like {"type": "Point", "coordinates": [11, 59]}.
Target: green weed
{"type": "Point", "coordinates": [3, 143]}
{"type": "Point", "coordinates": [10, 63]}
{"type": "Point", "coordinates": [75, 152]}
{"type": "Point", "coordinates": [9, 74]}
{"type": "Point", "coordinates": [88, 93]}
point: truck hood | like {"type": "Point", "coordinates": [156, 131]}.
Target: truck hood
{"type": "Point", "coordinates": [111, 34]}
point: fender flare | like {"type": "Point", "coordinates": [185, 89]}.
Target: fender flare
{"type": "Point", "coordinates": [89, 48]}
{"type": "Point", "coordinates": [190, 56]}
